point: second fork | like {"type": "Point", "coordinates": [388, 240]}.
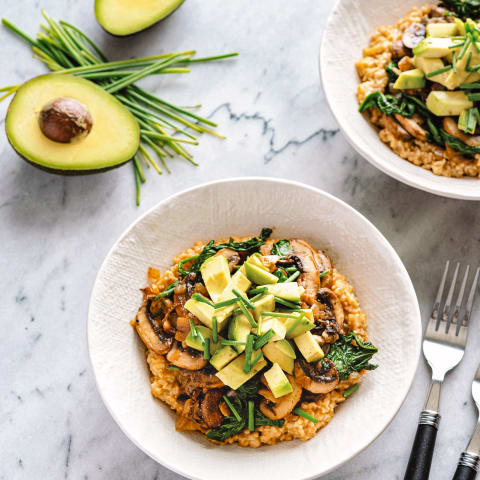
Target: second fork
{"type": "Point", "coordinates": [443, 347]}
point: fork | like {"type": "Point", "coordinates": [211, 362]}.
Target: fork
{"type": "Point", "coordinates": [469, 462]}
{"type": "Point", "coordinates": [443, 347]}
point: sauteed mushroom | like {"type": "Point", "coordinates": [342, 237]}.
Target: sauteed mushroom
{"type": "Point", "coordinates": [186, 357]}
{"type": "Point", "coordinates": [411, 125]}
{"type": "Point", "coordinates": [319, 377]}
{"type": "Point", "coordinates": [210, 408]}
{"type": "Point", "coordinates": [199, 379]}
{"type": "Point", "coordinates": [413, 35]}
{"type": "Point", "coordinates": [328, 313]}
{"type": "Point", "coordinates": [276, 408]}
{"type": "Point", "coordinates": [151, 332]}
{"type": "Point", "coordinates": [395, 128]}
{"type": "Point", "coordinates": [232, 256]}
{"type": "Point", "coordinates": [450, 126]}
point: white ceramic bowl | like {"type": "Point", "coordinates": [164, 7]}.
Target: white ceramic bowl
{"type": "Point", "coordinates": [241, 207]}
{"type": "Point", "coordinates": [347, 31]}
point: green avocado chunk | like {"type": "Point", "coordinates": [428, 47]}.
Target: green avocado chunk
{"type": "Point", "coordinates": [410, 79]}
{"type": "Point", "coordinates": [258, 275]}
{"type": "Point", "coordinates": [238, 329]}
{"type": "Point", "coordinates": [233, 375]}
{"type": "Point", "coordinates": [223, 356]}
{"type": "Point", "coordinates": [433, 47]}
{"type": "Point", "coordinates": [273, 351]}
{"type": "Point", "coordinates": [277, 381]}
{"type": "Point", "coordinates": [197, 342]}
{"type": "Point", "coordinates": [442, 30]}
{"type": "Point", "coordinates": [125, 17]}
{"type": "Point", "coordinates": [445, 104]}
{"type": "Point", "coordinates": [69, 125]}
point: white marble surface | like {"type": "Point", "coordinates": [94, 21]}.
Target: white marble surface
{"type": "Point", "coordinates": [56, 231]}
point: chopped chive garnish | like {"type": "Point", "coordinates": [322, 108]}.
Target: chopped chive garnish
{"type": "Point", "coordinates": [206, 349]}
{"type": "Point", "coordinates": [200, 336]}
{"type": "Point", "coordinates": [454, 62]}
{"type": "Point", "coordinates": [247, 313]}
{"type": "Point", "coordinates": [256, 359]}
{"type": "Point", "coordinates": [304, 414]}
{"type": "Point", "coordinates": [468, 41]}
{"type": "Point", "coordinates": [226, 303]}
{"type": "Point", "coordinates": [264, 339]}
{"type": "Point", "coordinates": [293, 277]}
{"type": "Point", "coordinates": [469, 86]}
{"type": "Point", "coordinates": [193, 329]}
{"type": "Point", "coordinates": [172, 367]}
{"type": "Point", "coordinates": [181, 263]}
{"type": "Point", "coordinates": [279, 314]}
{"type": "Point", "coordinates": [467, 66]}
{"type": "Point", "coordinates": [290, 269]}
{"type": "Point", "coordinates": [168, 291]}
{"type": "Point", "coordinates": [288, 304]}
{"type": "Point", "coordinates": [439, 71]}
{"type": "Point", "coordinates": [295, 324]}
{"type": "Point", "coordinates": [251, 416]}
{"type": "Point", "coordinates": [457, 45]}
{"type": "Point", "coordinates": [474, 97]}
{"type": "Point", "coordinates": [350, 390]}
{"type": "Point", "coordinates": [325, 272]}
{"type": "Point", "coordinates": [242, 299]}
{"type": "Point", "coordinates": [257, 297]}
{"type": "Point", "coordinates": [475, 46]}
{"type": "Point", "coordinates": [232, 408]}
{"type": "Point", "coordinates": [201, 298]}
{"type": "Point", "coordinates": [232, 342]}
{"type": "Point", "coordinates": [254, 291]}
{"type": "Point", "coordinates": [259, 326]}
{"type": "Point", "coordinates": [215, 329]}
{"type": "Point", "coordinates": [248, 354]}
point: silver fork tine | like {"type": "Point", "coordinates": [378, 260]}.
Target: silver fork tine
{"type": "Point", "coordinates": [458, 305]}
{"type": "Point", "coordinates": [471, 299]}
{"type": "Point", "coordinates": [448, 301]}
{"type": "Point", "coordinates": [436, 306]}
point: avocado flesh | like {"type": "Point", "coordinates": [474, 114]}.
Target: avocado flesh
{"type": "Point", "coordinates": [113, 140]}
{"type": "Point", "coordinates": [125, 17]}
{"type": "Point", "coordinates": [410, 79]}
{"type": "Point", "coordinates": [446, 104]}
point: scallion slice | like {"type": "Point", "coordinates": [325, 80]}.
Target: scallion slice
{"type": "Point", "coordinates": [469, 86]}
{"type": "Point", "coordinates": [254, 291]}
{"type": "Point", "coordinates": [325, 272]}
{"type": "Point", "coordinates": [248, 354]}
{"type": "Point", "coordinates": [226, 303]}
{"type": "Point", "coordinates": [206, 349]}
{"type": "Point", "coordinates": [286, 303]}
{"type": "Point", "coordinates": [247, 313]}
{"type": "Point", "coordinates": [232, 342]}
{"type": "Point", "coordinates": [474, 97]}
{"type": "Point", "coordinates": [350, 390]}
{"type": "Point", "coordinates": [264, 339]}
{"type": "Point", "coordinates": [295, 324]}
{"type": "Point", "coordinates": [257, 297]}
{"type": "Point", "coordinates": [215, 329]}
{"type": "Point", "coordinates": [278, 314]}
{"type": "Point", "coordinates": [247, 303]}
{"type": "Point", "coordinates": [439, 71]}
{"type": "Point", "coordinates": [304, 414]}
{"type": "Point", "coordinates": [193, 329]}
{"type": "Point", "coordinates": [293, 276]}
{"type": "Point", "coordinates": [201, 298]}
{"type": "Point", "coordinates": [232, 408]}
{"type": "Point", "coordinates": [251, 416]}
{"type": "Point", "coordinates": [256, 359]}
{"type": "Point", "coordinates": [454, 62]}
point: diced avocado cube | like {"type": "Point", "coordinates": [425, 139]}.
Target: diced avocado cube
{"type": "Point", "coordinates": [273, 323]}
{"type": "Point", "coordinates": [238, 329]}
{"type": "Point", "coordinates": [238, 282]}
{"type": "Point", "coordinates": [410, 79]}
{"type": "Point", "coordinates": [308, 347]}
{"type": "Point", "coordinates": [445, 104]}
{"type": "Point", "coordinates": [223, 356]}
{"type": "Point", "coordinates": [453, 79]}
{"type": "Point", "coordinates": [286, 347]}
{"type": "Point", "coordinates": [273, 351]}
{"type": "Point", "coordinates": [472, 78]}
{"type": "Point", "coordinates": [429, 65]}
{"type": "Point", "coordinates": [196, 342]}
{"type": "Point", "coordinates": [233, 375]}
{"type": "Point", "coordinates": [216, 275]}
{"type": "Point", "coordinates": [290, 291]}
{"type": "Point", "coordinates": [442, 30]}
{"type": "Point", "coordinates": [467, 121]}
{"type": "Point", "coordinates": [258, 275]}
{"type": "Point", "coordinates": [460, 27]}
{"type": "Point", "coordinates": [305, 324]}
{"type": "Point", "coordinates": [203, 312]}
{"type": "Point", "coordinates": [264, 304]}
{"type": "Point", "coordinates": [255, 260]}
{"type": "Point", "coordinates": [432, 47]}
{"type": "Point", "coordinates": [277, 381]}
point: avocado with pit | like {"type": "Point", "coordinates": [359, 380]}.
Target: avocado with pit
{"type": "Point", "coordinates": [238, 329]}
{"type": "Point", "coordinates": [445, 104]}
{"type": "Point", "coordinates": [277, 381]}
{"type": "Point", "coordinates": [410, 79]}
{"type": "Point", "coordinates": [308, 347]}
{"type": "Point", "coordinates": [68, 125]}
{"type": "Point", "coordinates": [274, 351]}
{"type": "Point", "coordinates": [126, 17]}
{"type": "Point", "coordinates": [233, 375]}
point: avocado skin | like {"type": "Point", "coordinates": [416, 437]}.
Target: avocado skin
{"type": "Point", "coordinates": [117, 35]}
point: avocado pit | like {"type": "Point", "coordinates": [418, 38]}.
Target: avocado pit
{"type": "Point", "coordinates": [64, 120]}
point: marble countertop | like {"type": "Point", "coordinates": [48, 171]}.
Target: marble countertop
{"type": "Point", "coordinates": [55, 231]}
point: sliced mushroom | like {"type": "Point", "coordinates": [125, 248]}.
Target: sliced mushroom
{"type": "Point", "coordinates": [210, 408]}
{"type": "Point", "coordinates": [399, 50]}
{"type": "Point", "coordinates": [395, 128]}
{"type": "Point", "coordinates": [437, 12]}
{"type": "Point", "coordinates": [183, 328]}
{"type": "Point", "coordinates": [319, 377]}
{"type": "Point", "coordinates": [276, 408]}
{"type": "Point", "coordinates": [182, 293]}
{"type": "Point", "coordinates": [328, 313]}
{"type": "Point", "coordinates": [325, 265]}
{"type": "Point", "coordinates": [451, 127]}
{"type": "Point", "coordinates": [413, 35]}
{"type": "Point", "coordinates": [232, 256]}
{"type": "Point", "coordinates": [411, 125]}
{"type": "Point", "coordinates": [186, 357]}
{"type": "Point", "coordinates": [200, 379]}
{"type": "Point", "coordinates": [151, 332]}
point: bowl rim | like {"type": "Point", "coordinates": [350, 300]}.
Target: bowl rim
{"type": "Point", "coordinates": [418, 335]}
{"type": "Point", "coordinates": [376, 159]}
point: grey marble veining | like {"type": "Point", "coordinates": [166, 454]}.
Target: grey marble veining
{"type": "Point", "coordinates": [55, 232]}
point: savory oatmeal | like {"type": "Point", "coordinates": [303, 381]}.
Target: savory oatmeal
{"type": "Point", "coordinates": [253, 340]}
{"type": "Point", "coordinates": [420, 86]}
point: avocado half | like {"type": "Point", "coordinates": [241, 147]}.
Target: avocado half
{"type": "Point", "coordinates": [113, 139]}
{"type": "Point", "coordinates": [125, 17]}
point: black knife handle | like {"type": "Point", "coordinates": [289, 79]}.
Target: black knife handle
{"type": "Point", "coordinates": [467, 467]}
{"type": "Point", "coordinates": [420, 461]}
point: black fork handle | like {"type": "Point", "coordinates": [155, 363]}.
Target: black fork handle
{"type": "Point", "coordinates": [420, 460]}
{"type": "Point", "coordinates": [467, 467]}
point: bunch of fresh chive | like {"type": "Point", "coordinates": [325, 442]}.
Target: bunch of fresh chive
{"type": "Point", "coordinates": [164, 128]}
